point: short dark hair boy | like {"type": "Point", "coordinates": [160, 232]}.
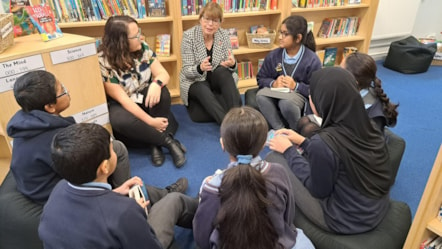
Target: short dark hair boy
{"type": "Point", "coordinates": [98, 217]}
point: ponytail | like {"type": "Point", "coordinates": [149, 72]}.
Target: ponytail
{"type": "Point", "coordinates": [389, 108]}
{"type": "Point", "coordinates": [242, 220]}
{"type": "Point", "coordinates": [310, 41]}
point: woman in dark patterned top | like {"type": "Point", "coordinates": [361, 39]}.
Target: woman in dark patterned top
{"type": "Point", "coordinates": [134, 81]}
{"type": "Point", "coordinates": [208, 79]}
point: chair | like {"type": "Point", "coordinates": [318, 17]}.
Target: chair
{"type": "Point", "coordinates": [389, 234]}
{"type": "Point", "coordinates": [19, 218]}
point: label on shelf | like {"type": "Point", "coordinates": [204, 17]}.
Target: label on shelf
{"type": "Point", "coordinates": [74, 53]}
{"type": "Point", "coordinates": [91, 113]}
{"type": "Point", "coordinates": [11, 70]}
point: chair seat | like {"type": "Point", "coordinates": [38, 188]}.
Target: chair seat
{"type": "Point", "coordinates": [389, 234]}
{"type": "Point", "coordinates": [19, 218]}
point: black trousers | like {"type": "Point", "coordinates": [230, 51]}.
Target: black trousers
{"type": "Point", "coordinates": [210, 100]}
{"type": "Point", "coordinates": [135, 133]}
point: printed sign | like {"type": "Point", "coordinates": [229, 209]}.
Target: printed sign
{"type": "Point", "coordinates": [71, 54]}
{"type": "Point", "coordinates": [11, 70]}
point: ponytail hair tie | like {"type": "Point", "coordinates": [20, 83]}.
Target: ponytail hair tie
{"type": "Point", "coordinates": [244, 159]}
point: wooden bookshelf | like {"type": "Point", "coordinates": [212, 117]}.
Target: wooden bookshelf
{"type": "Point", "coordinates": [425, 224]}
{"type": "Point", "coordinates": [80, 74]}
{"type": "Point", "coordinates": [175, 24]}
{"type": "Point", "coordinates": [366, 11]}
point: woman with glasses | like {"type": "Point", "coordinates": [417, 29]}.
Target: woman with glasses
{"type": "Point", "coordinates": [283, 79]}
{"type": "Point", "coordinates": [208, 79]}
{"type": "Point", "coordinates": [134, 81]}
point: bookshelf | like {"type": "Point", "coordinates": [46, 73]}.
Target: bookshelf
{"type": "Point", "coordinates": [366, 11]}
{"type": "Point", "coordinates": [88, 100]}
{"type": "Point", "coordinates": [425, 224]}
{"type": "Point", "coordinates": [175, 23]}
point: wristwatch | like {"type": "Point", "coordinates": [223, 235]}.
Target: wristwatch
{"type": "Point", "coordinates": [159, 82]}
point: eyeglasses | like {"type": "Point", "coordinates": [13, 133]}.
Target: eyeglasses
{"type": "Point", "coordinates": [137, 36]}
{"type": "Point", "coordinates": [211, 21]}
{"type": "Point", "coordinates": [283, 33]}
{"type": "Point", "coordinates": [65, 91]}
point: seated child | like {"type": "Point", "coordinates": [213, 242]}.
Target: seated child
{"type": "Point", "coordinates": [42, 97]}
{"type": "Point", "coordinates": [250, 204]}
{"type": "Point", "coordinates": [84, 212]}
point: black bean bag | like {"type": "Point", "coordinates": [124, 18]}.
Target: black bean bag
{"type": "Point", "coordinates": [390, 234]}
{"type": "Point", "coordinates": [19, 218]}
{"type": "Point", "coordinates": [410, 56]}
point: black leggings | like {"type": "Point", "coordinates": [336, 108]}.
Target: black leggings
{"type": "Point", "coordinates": [210, 100]}
{"type": "Point", "coordinates": [135, 133]}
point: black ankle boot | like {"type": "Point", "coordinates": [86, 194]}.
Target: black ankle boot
{"type": "Point", "coordinates": [157, 156]}
{"type": "Point", "coordinates": [176, 149]}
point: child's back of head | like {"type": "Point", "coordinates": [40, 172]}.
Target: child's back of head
{"type": "Point", "coordinates": [242, 219]}
{"type": "Point", "coordinates": [78, 150]}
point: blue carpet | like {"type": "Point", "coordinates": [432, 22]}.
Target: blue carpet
{"type": "Point", "coordinates": [419, 123]}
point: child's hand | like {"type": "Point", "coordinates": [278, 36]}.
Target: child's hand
{"type": "Point", "coordinates": [292, 135]}
{"type": "Point", "coordinates": [278, 82]}
{"type": "Point", "coordinates": [280, 144]}
{"type": "Point", "coordinates": [125, 187]}
{"type": "Point", "coordinates": [143, 203]}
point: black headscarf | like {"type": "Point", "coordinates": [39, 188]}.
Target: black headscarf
{"type": "Point", "coordinates": [347, 130]}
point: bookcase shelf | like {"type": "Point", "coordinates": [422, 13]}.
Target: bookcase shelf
{"type": "Point", "coordinates": [175, 24]}
{"type": "Point", "coordinates": [425, 224]}
{"type": "Point", "coordinates": [435, 226]}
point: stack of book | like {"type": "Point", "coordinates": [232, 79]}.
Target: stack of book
{"type": "Point", "coordinates": [244, 69]}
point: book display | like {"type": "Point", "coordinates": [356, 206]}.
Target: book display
{"type": "Point", "coordinates": [426, 228]}
{"type": "Point", "coordinates": [181, 15]}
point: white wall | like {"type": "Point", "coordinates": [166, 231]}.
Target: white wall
{"type": "Point", "coordinates": [394, 20]}
{"type": "Point", "coordinates": [428, 19]}
{"type": "Point", "coordinates": [397, 19]}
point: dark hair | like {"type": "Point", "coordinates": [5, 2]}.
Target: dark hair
{"type": "Point", "coordinates": [115, 42]}
{"type": "Point", "coordinates": [213, 10]}
{"type": "Point", "coordinates": [298, 25]}
{"type": "Point", "coordinates": [78, 150]}
{"type": "Point", "coordinates": [34, 90]}
{"type": "Point", "coordinates": [242, 219]}
{"type": "Point", "coordinates": [364, 68]}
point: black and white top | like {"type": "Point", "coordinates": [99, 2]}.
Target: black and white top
{"type": "Point", "coordinates": [193, 52]}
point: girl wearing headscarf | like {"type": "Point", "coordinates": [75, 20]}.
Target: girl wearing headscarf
{"type": "Point", "coordinates": [342, 174]}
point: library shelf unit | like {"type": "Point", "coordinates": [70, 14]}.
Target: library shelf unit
{"type": "Point", "coordinates": [65, 57]}
{"type": "Point", "coordinates": [425, 223]}
{"type": "Point", "coordinates": [175, 23]}
{"type": "Point", "coordinates": [366, 11]}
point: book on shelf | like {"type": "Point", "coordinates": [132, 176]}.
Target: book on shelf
{"type": "Point", "coordinates": [349, 50]}
{"type": "Point", "coordinates": [162, 45]}
{"type": "Point", "coordinates": [22, 22]}
{"type": "Point", "coordinates": [141, 8]}
{"type": "Point", "coordinates": [310, 26]}
{"type": "Point", "coordinates": [294, 3]}
{"type": "Point", "coordinates": [43, 19]}
{"type": "Point", "coordinates": [260, 62]}
{"type": "Point", "coordinates": [233, 35]}
{"type": "Point", "coordinates": [321, 54]}
{"type": "Point", "coordinates": [157, 7]}
{"type": "Point", "coordinates": [325, 29]}
{"type": "Point", "coordinates": [354, 1]}
{"type": "Point", "coordinates": [330, 56]}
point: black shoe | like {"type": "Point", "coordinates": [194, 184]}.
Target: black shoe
{"type": "Point", "coordinates": [157, 156]}
{"type": "Point", "coordinates": [179, 186]}
{"type": "Point", "coordinates": [177, 150]}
